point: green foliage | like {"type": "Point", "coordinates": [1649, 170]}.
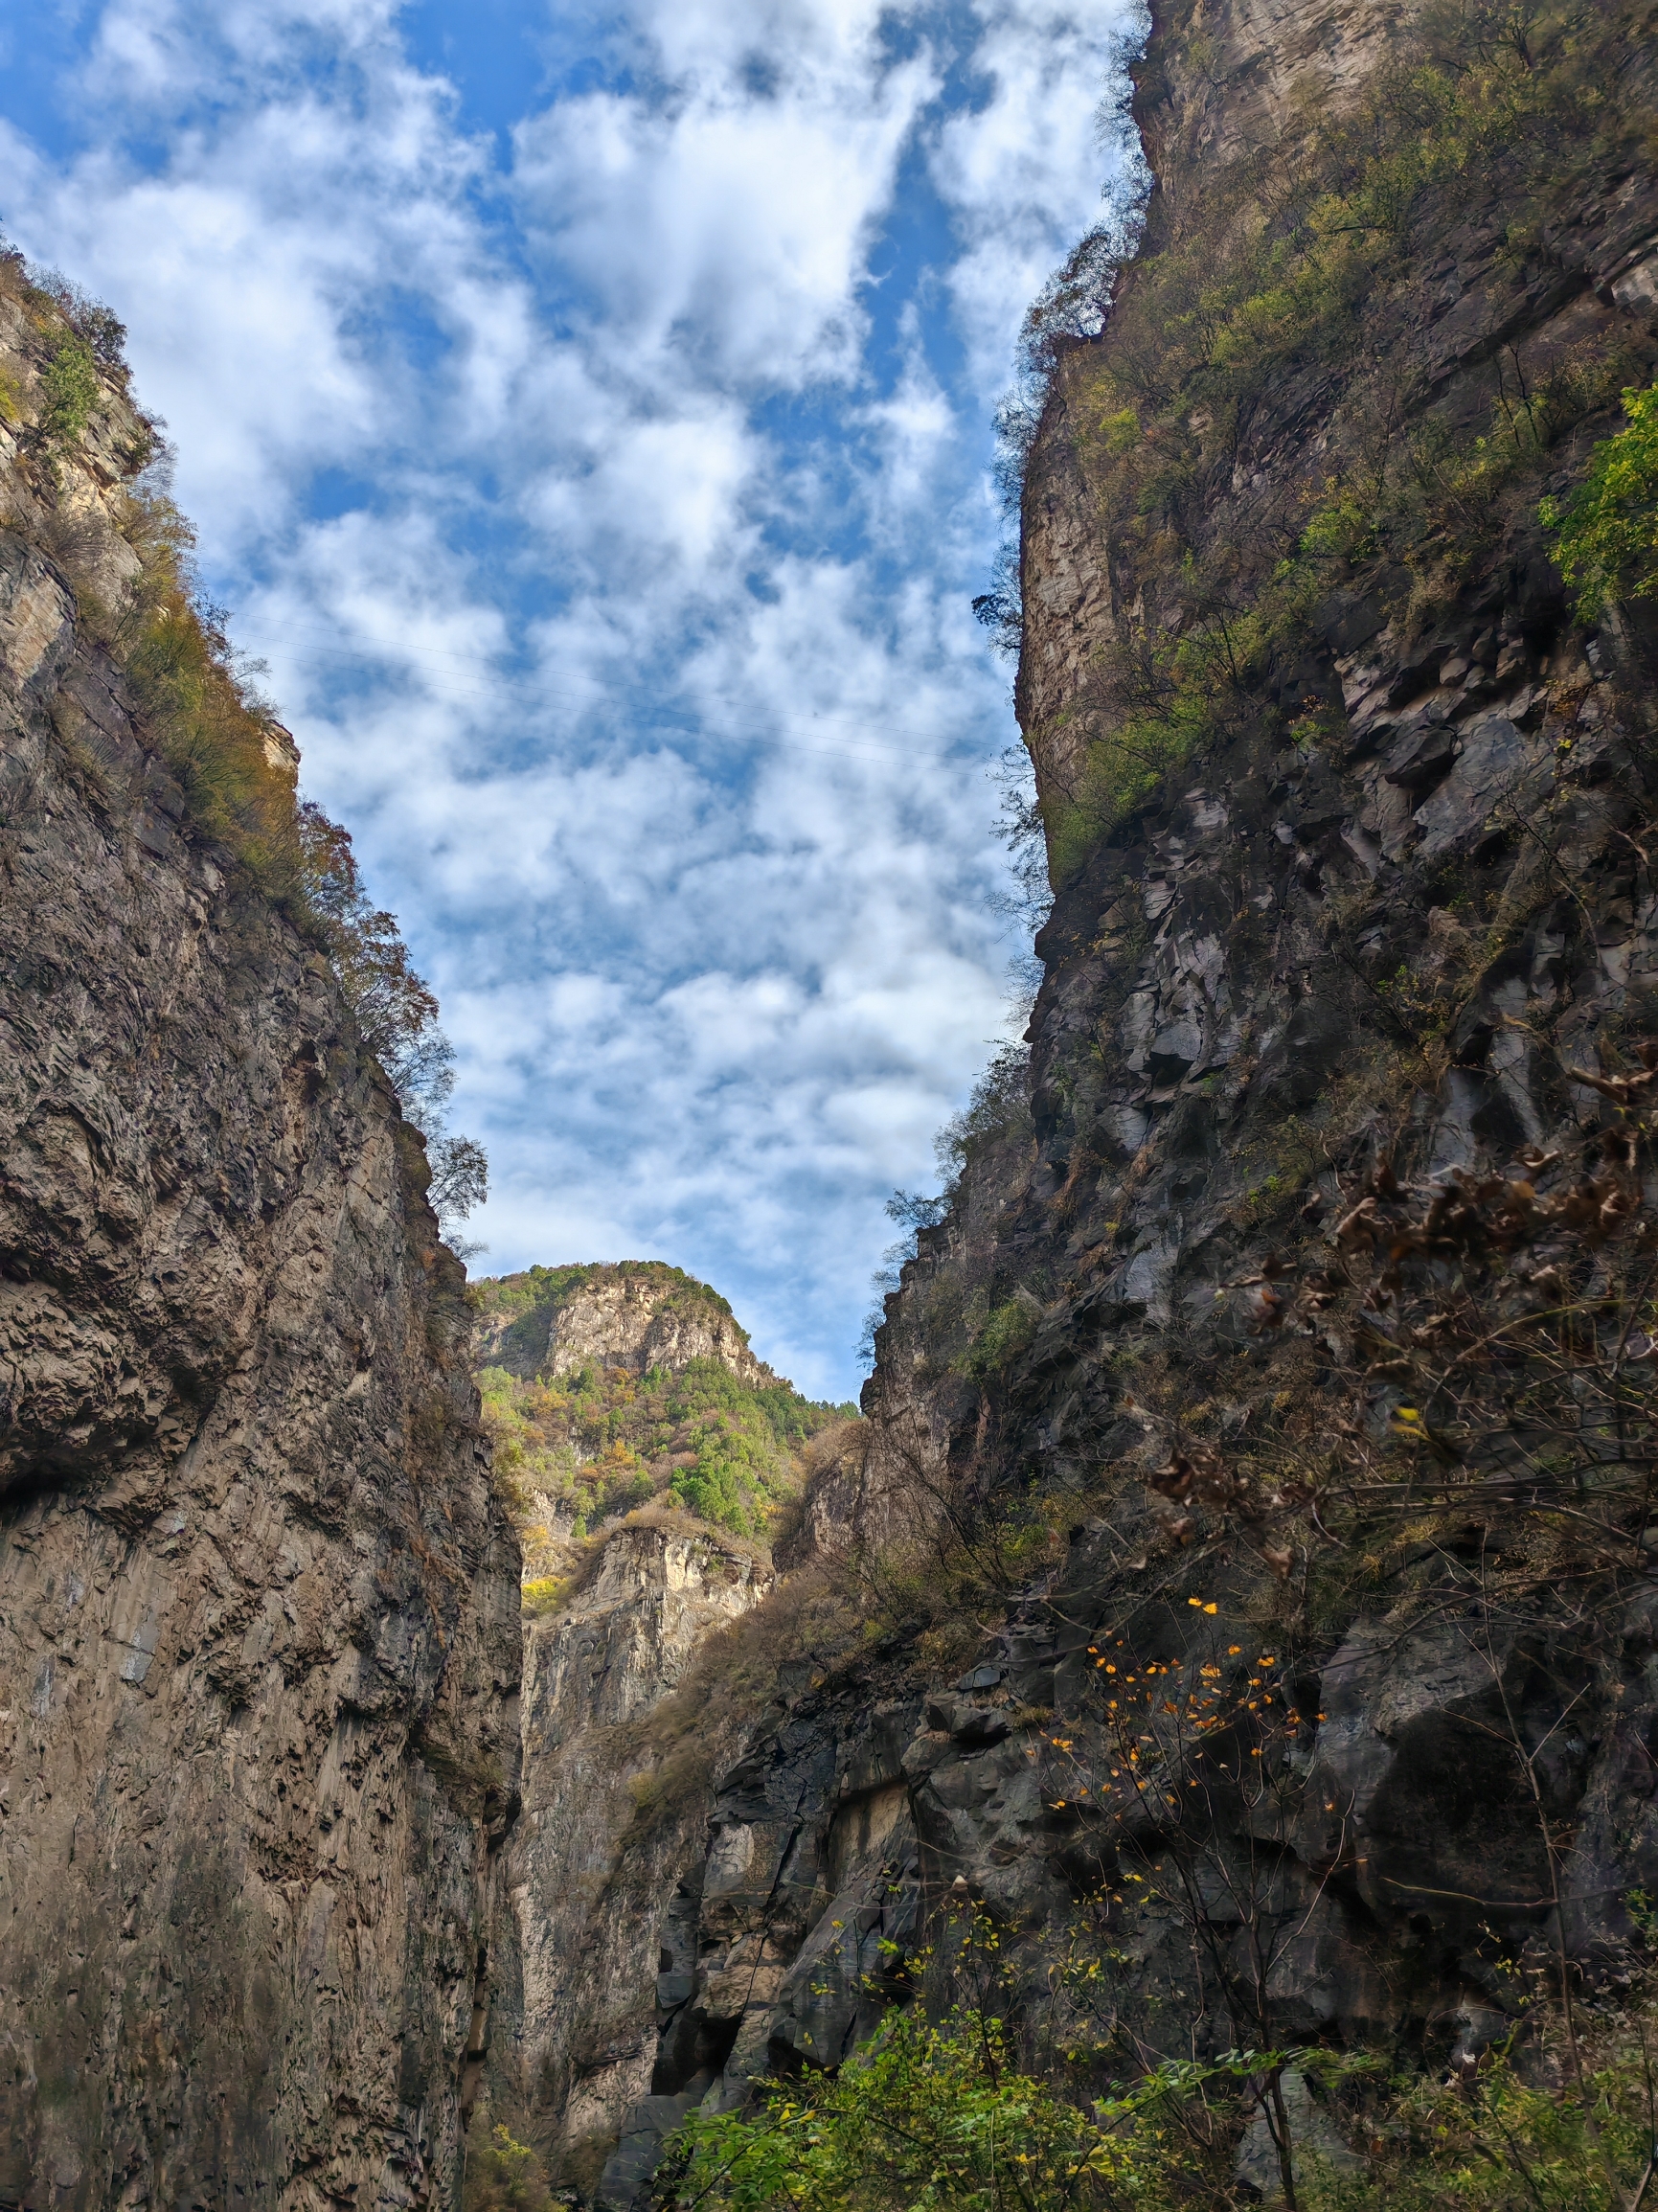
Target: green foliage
{"type": "Point", "coordinates": [998, 1114]}
{"type": "Point", "coordinates": [397, 1012]}
{"type": "Point", "coordinates": [940, 2117]}
{"type": "Point", "coordinates": [1607, 540]}
{"type": "Point", "coordinates": [1504, 2143]}
{"type": "Point", "coordinates": [528, 1301]}
{"type": "Point", "coordinates": [69, 382]}
{"type": "Point", "coordinates": [97, 327]}
{"type": "Point", "coordinates": [504, 2175]}
{"type": "Point", "coordinates": [198, 709]}
{"type": "Point", "coordinates": [604, 1441]}
{"type": "Point", "coordinates": [1006, 1331]}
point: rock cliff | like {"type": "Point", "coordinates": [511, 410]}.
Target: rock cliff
{"type": "Point", "coordinates": [620, 1398]}
{"type": "Point", "coordinates": [258, 1606]}
{"type": "Point", "coordinates": [1244, 1566]}
{"type": "Point", "coordinates": [632, 1316]}
{"type": "Point", "coordinates": [1199, 1528]}
{"type": "Point", "coordinates": [606, 1837]}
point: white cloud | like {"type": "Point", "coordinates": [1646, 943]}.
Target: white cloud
{"type": "Point", "coordinates": [609, 534]}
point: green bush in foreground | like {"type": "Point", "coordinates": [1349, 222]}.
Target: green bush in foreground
{"type": "Point", "coordinates": [938, 2116]}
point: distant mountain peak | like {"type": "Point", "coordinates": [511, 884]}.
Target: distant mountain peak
{"type": "Point", "coordinates": [638, 1316]}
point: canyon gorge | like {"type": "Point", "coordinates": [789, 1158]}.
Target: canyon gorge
{"type": "Point", "coordinates": [439, 1715]}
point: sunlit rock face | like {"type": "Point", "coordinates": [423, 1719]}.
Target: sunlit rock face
{"type": "Point", "coordinates": [617, 1780]}
{"type": "Point", "coordinates": [614, 1815]}
{"type": "Point", "coordinates": [258, 1599]}
{"type": "Point", "coordinates": [636, 1315]}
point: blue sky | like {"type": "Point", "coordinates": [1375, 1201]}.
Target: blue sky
{"type": "Point", "coordinates": [587, 417]}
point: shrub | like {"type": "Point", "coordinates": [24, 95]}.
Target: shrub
{"type": "Point", "coordinates": [395, 1010]}
{"type": "Point", "coordinates": [99, 329]}
{"type": "Point", "coordinates": [197, 708]}
{"type": "Point", "coordinates": [504, 2175]}
{"type": "Point", "coordinates": [940, 2116]}
{"type": "Point", "coordinates": [1009, 1328]}
{"type": "Point", "coordinates": [1607, 534]}
{"type": "Point", "coordinates": [69, 381]}
{"type": "Point", "coordinates": [1501, 2143]}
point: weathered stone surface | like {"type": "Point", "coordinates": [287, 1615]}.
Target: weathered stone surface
{"type": "Point", "coordinates": [259, 1632]}
{"type": "Point", "coordinates": [592, 1886]}
{"type": "Point", "coordinates": [784, 1946]}
{"type": "Point", "coordinates": [634, 1316]}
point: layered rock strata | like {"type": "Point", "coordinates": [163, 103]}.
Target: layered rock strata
{"type": "Point", "coordinates": [259, 1613]}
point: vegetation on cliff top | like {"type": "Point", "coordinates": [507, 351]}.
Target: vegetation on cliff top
{"type": "Point", "coordinates": [601, 1441]}
{"type": "Point", "coordinates": [517, 1311]}
{"type": "Point", "coordinates": [200, 707]}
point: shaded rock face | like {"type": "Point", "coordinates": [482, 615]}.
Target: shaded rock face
{"type": "Point", "coordinates": [592, 1885]}
{"type": "Point", "coordinates": [779, 1946]}
{"type": "Point", "coordinates": [258, 1614]}
{"type": "Point", "coordinates": [1402, 927]}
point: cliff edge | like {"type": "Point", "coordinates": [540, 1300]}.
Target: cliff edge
{"type": "Point", "coordinates": [258, 1599]}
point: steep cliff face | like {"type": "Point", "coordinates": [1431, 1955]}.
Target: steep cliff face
{"type": "Point", "coordinates": [1188, 1446]}
{"type": "Point", "coordinates": [634, 1316]}
{"type": "Point", "coordinates": [601, 1848]}
{"type": "Point", "coordinates": [621, 1397]}
{"type": "Point", "coordinates": [259, 1612]}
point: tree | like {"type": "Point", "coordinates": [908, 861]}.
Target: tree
{"type": "Point", "coordinates": [395, 1010]}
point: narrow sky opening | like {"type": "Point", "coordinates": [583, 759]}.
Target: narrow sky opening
{"type": "Point", "coordinates": [588, 419]}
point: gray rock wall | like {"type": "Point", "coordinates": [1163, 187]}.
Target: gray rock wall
{"type": "Point", "coordinates": [1396, 933]}
{"type": "Point", "coordinates": [259, 1613]}
{"type": "Point", "coordinates": [612, 1821]}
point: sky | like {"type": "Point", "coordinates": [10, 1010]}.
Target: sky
{"type": "Point", "coordinates": [587, 415]}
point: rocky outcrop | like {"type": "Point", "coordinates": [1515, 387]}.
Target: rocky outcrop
{"type": "Point", "coordinates": [259, 1613]}
{"type": "Point", "coordinates": [784, 1944]}
{"type": "Point", "coordinates": [612, 1820]}
{"type": "Point", "coordinates": [634, 1316]}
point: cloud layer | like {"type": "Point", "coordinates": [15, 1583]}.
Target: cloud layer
{"type": "Point", "coordinates": [591, 433]}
